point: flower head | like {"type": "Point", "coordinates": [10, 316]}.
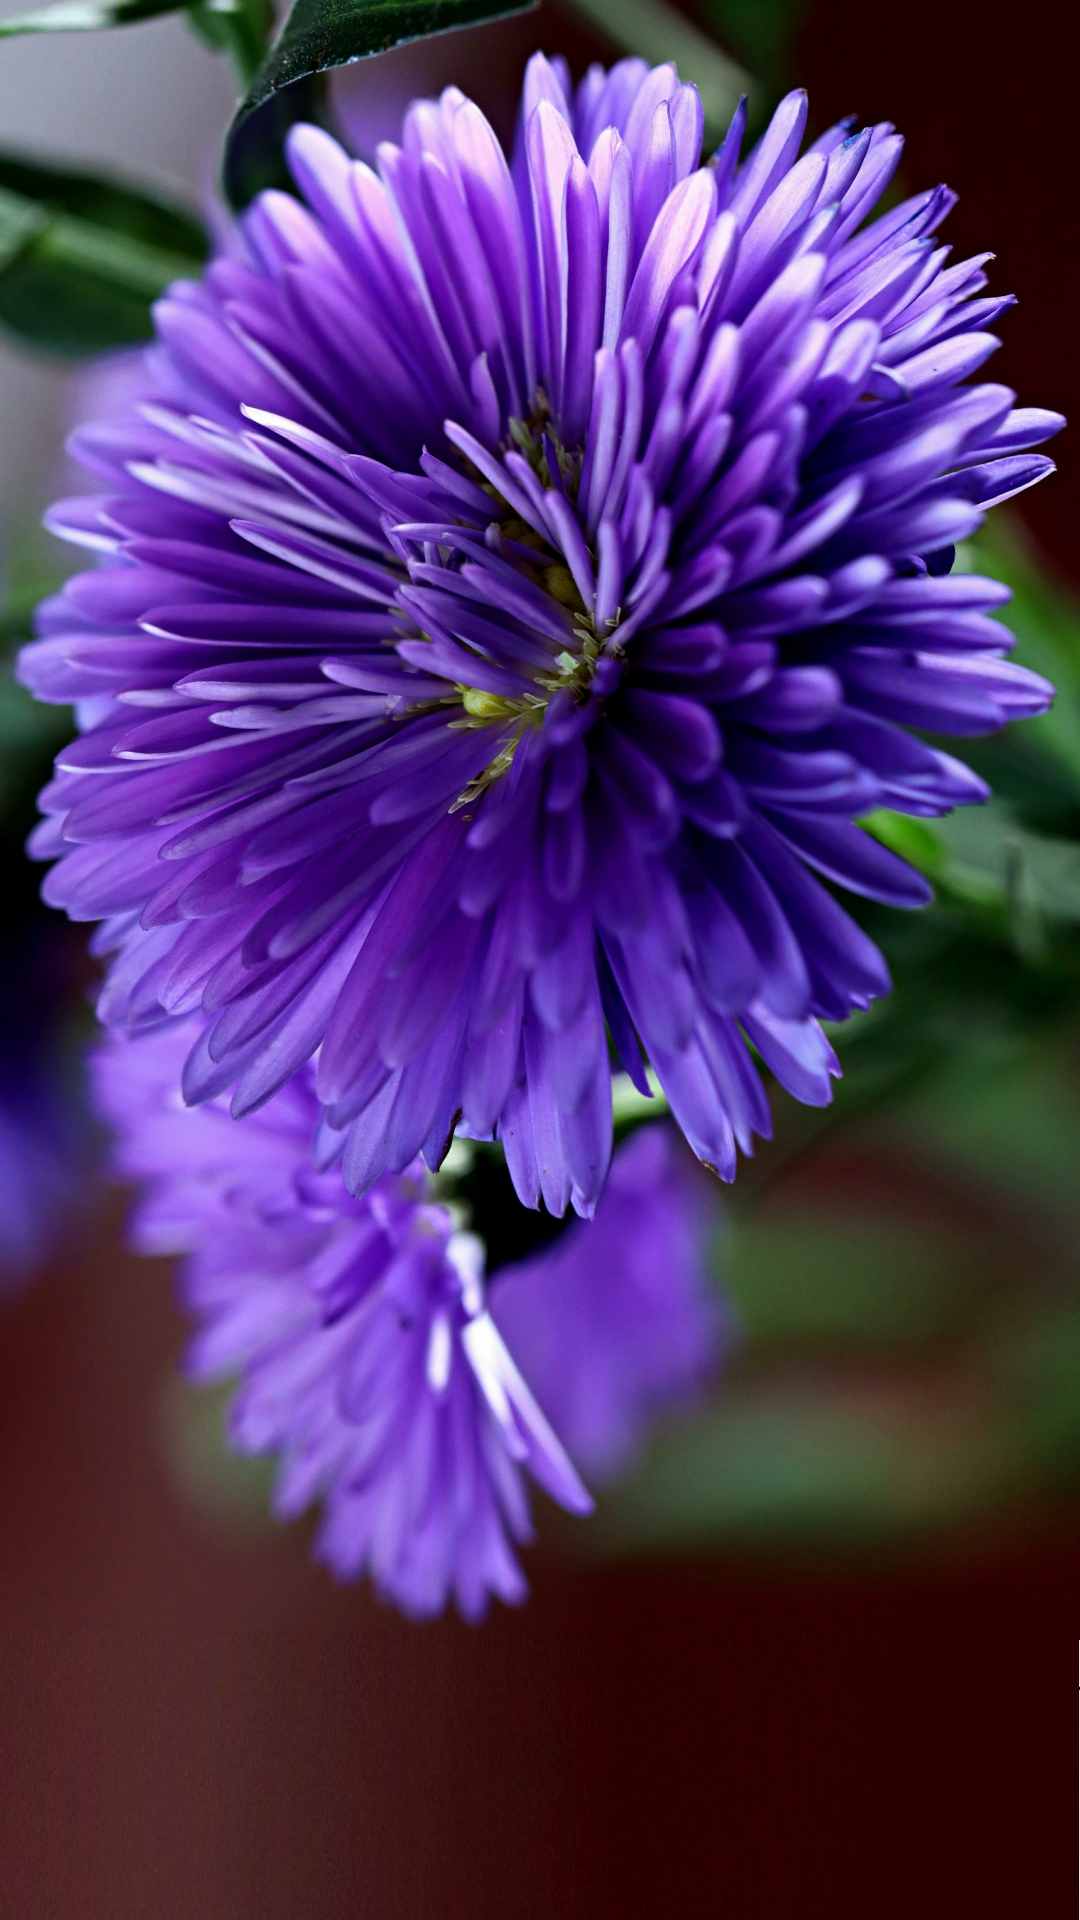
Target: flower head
{"type": "Point", "coordinates": [367, 1359]}
{"type": "Point", "coordinates": [517, 583]}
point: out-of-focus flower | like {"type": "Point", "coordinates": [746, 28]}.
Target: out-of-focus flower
{"type": "Point", "coordinates": [520, 582]}
{"type": "Point", "coordinates": [367, 1357]}
{"type": "Point", "coordinates": [616, 1324]}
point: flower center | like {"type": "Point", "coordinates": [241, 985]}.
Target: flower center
{"type": "Point", "coordinates": [568, 670]}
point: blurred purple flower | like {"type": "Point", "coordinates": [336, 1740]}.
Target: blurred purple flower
{"type": "Point", "coordinates": [616, 1324]}
{"type": "Point", "coordinates": [520, 584]}
{"type": "Point", "coordinates": [367, 1358]}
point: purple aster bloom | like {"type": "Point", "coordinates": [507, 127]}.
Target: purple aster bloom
{"type": "Point", "coordinates": [518, 583]}
{"type": "Point", "coordinates": [367, 1358]}
{"type": "Point", "coordinates": [616, 1324]}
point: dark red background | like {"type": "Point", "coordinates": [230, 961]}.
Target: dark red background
{"type": "Point", "coordinates": [198, 1723]}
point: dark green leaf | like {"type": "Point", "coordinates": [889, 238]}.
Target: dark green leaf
{"type": "Point", "coordinates": [84, 16]}
{"type": "Point", "coordinates": [317, 36]}
{"type": "Point", "coordinates": [82, 259]}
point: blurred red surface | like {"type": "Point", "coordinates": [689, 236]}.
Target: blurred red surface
{"type": "Point", "coordinates": [198, 1722]}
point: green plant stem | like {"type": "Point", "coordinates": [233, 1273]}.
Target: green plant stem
{"type": "Point", "coordinates": [240, 29]}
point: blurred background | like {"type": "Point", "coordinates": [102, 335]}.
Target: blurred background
{"type": "Point", "coordinates": [795, 1665]}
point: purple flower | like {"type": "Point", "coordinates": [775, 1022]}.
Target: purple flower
{"type": "Point", "coordinates": [368, 1360]}
{"type": "Point", "coordinates": [616, 1325]}
{"type": "Point", "coordinates": [367, 1357]}
{"type": "Point", "coordinates": [519, 583]}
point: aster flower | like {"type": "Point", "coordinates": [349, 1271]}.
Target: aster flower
{"type": "Point", "coordinates": [518, 581]}
{"type": "Point", "coordinates": [615, 1325]}
{"type": "Point", "coordinates": [367, 1358]}
{"type": "Point", "coordinates": [371, 1356]}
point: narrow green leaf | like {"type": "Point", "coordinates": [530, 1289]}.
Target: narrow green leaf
{"type": "Point", "coordinates": [137, 212]}
{"type": "Point", "coordinates": [86, 16]}
{"type": "Point", "coordinates": [82, 259]}
{"type": "Point", "coordinates": [317, 36]}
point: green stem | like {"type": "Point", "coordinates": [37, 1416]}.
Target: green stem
{"type": "Point", "coordinates": [240, 29]}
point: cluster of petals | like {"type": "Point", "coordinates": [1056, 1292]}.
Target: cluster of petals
{"type": "Point", "coordinates": [517, 581]}
{"type": "Point", "coordinates": [362, 1334]}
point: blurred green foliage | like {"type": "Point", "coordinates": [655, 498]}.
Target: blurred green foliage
{"type": "Point", "coordinates": [82, 258]}
{"type": "Point", "coordinates": [85, 16]}
{"type": "Point", "coordinates": [762, 34]}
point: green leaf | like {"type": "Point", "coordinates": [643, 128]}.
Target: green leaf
{"type": "Point", "coordinates": [928, 849]}
{"type": "Point", "coordinates": [85, 16]}
{"type": "Point", "coordinates": [82, 258]}
{"type": "Point", "coordinates": [317, 36]}
{"type": "Point", "coordinates": [1035, 873]}
{"type": "Point", "coordinates": [984, 857]}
